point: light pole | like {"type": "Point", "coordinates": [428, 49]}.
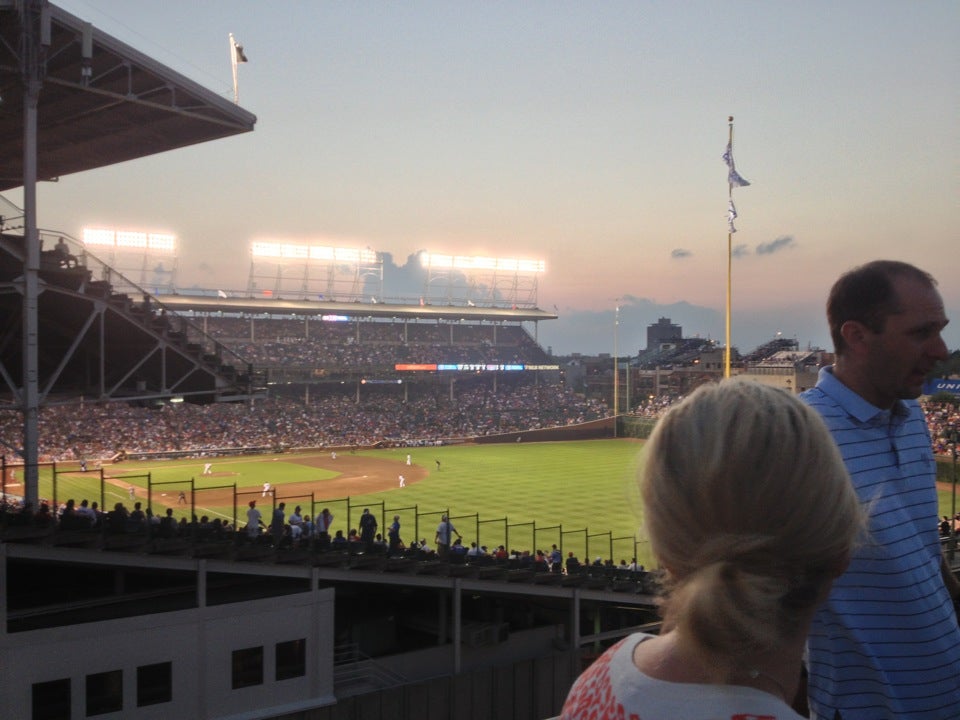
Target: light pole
{"type": "Point", "coordinates": [616, 368]}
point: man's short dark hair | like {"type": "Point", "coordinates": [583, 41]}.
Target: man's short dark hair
{"type": "Point", "coordinates": [866, 295]}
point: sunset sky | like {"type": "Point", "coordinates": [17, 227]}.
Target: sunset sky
{"type": "Point", "coordinates": [585, 134]}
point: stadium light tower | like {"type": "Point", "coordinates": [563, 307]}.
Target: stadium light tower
{"type": "Point", "coordinates": [511, 281]}
{"type": "Point", "coordinates": [312, 271]}
{"type": "Point", "coordinates": [147, 258]}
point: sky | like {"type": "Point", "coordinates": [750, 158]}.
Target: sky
{"type": "Point", "coordinates": [588, 135]}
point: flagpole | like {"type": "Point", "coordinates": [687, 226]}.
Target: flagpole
{"type": "Point", "coordinates": [734, 179]}
{"type": "Point", "coordinates": [726, 355]}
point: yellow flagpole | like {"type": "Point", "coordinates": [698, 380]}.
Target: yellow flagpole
{"type": "Point", "coordinates": [726, 355]}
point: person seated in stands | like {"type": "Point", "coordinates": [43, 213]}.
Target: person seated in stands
{"type": "Point", "coordinates": [540, 563]}
{"type": "Point", "coordinates": [98, 514]}
{"type": "Point", "coordinates": [24, 515]}
{"type": "Point", "coordinates": [339, 542]}
{"type": "Point", "coordinates": [294, 533]}
{"type": "Point", "coordinates": [573, 564]}
{"type": "Point", "coordinates": [87, 514]}
{"type": "Point", "coordinates": [381, 542]}
{"type": "Point", "coordinates": [458, 551]}
{"type": "Point", "coordinates": [474, 551]}
{"type": "Point", "coordinates": [425, 551]}
{"type": "Point", "coordinates": [62, 254]}
{"type": "Point", "coordinates": [500, 553]}
{"type": "Point", "coordinates": [43, 517]}
{"type": "Point", "coordinates": [68, 516]}
{"type": "Point", "coordinates": [117, 519]}
{"type": "Point", "coordinates": [353, 539]}
{"type": "Point", "coordinates": [168, 525]}
{"type": "Point", "coordinates": [137, 521]}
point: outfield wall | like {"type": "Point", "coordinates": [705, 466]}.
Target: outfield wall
{"type": "Point", "coordinates": [593, 430]}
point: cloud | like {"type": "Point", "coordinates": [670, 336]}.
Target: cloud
{"type": "Point", "coordinates": [411, 282]}
{"type": "Point", "coordinates": [680, 253]}
{"type": "Point", "coordinates": [740, 251]}
{"type": "Point", "coordinates": [782, 242]}
{"type": "Point", "coordinates": [405, 281]}
{"type": "Point", "coordinates": [205, 268]}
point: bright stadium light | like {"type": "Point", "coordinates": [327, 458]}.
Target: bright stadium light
{"type": "Point", "coordinates": [469, 263]}
{"type": "Point", "coordinates": [130, 240]}
{"type": "Point", "coordinates": [162, 242]}
{"type": "Point", "coordinates": [294, 252]}
{"type": "Point", "coordinates": [321, 253]}
{"type": "Point", "coordinates": [434, 260]}
{"type": "Point", "coordinates": [96, 237]}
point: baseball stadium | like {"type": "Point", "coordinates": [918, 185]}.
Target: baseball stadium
{"type": "Point", "coordinates": [304, 496]}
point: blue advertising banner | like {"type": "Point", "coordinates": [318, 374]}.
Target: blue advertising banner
{"type": "Point", "coordinates": [941, 385]}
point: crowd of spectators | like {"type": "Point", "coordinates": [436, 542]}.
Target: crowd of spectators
{"type": "Point", "coordinates": [330, 418]}
{"type": "Point", "coordinates": [272, 343]}
{"type": "Point", "coordinates": [943, 419]}
{"type": "Point", "coordinates": [334, 419]}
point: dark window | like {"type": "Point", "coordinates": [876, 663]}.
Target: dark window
{"type": "Point", "coordinates": [291, 659]}
{"type": "Point", "coordinates": [247, 667]}
{"type": "Point", "coordinates": [104, 692]}
{"type": "Point", "coordinates": [154, 684]}
{"type": "Point", "coordinates": [51, 700]}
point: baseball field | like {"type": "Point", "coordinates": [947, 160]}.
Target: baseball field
{"type": "Point", "coordinates": [580, 495]}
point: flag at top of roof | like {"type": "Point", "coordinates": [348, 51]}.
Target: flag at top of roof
{"type": "Point", "coordinates": [236, 56]}
{"type": "Point", "coordinates": [238, 49]}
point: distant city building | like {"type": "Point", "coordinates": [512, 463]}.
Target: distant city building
{"type": "Point", "coordinates": [793, 370]}
{"type": "Point", "coordinates": [663, 332]}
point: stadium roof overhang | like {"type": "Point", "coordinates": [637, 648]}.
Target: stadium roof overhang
{"type": "Point", "coordinates": [113, 105]}
{"type": "Point", "coordinates": [276, 306]}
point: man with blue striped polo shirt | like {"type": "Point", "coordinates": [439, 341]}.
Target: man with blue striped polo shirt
{"type": "Point", "coordinates": [886, 643]}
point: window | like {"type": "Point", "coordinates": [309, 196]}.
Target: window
{"type": "Point", "coordinates": [51, 700]}
{"type": "Point", "coordinates": [291, 659]}
{"type": "Point", "coordinates": [154, 684]}
{"type": "Point", "coordinates": [104, 692]}
{"type": "Point", "coordinates": [247, 667]}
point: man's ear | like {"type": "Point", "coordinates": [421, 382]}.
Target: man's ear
{"type": "Point", "coordinates": [854, 334]}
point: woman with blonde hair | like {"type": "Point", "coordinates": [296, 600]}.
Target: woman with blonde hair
{"type": "Point", "coordinates": [751, 514]}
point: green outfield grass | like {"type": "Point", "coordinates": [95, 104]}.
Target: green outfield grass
{"type": "Point", "coordinates": [586, 488]}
